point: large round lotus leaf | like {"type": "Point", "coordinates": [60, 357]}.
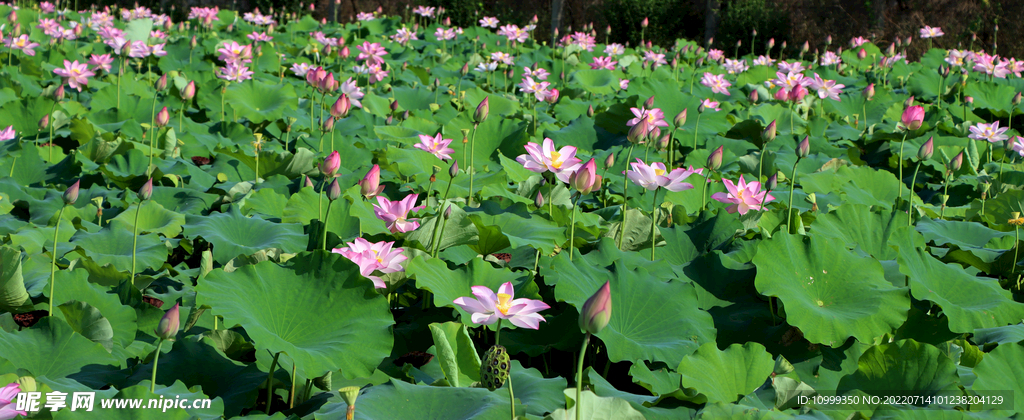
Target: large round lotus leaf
{"type": "Point", "coordinates": [961, 234]}
{"type": "Point", "coordinates": [52, 349]}
{"type": "Point", "coordinates": [596, 408]}
{"type": "Point", "coordinates": [726, 375]}
{"type": "Point", "coordinates": [905, 367]}
{"type": "Point", "coordinates": [520, 226]}
{"type": "Point", "coordinates": [113, 245]}
{"type": "Point", "coordinates": [87, 321]}
{"type": "Point", "coordinates": [652, 319]}
{"type": "Point", "coordinates": [1002, 369]}
{"type": "Point", "coordinates": [258, 101]}
{"type": "Point", "coordinates": [13, 295]}
{"type": "Point", "coordinates": [596, 81]}
{"type": "Point", "coordinates": [75, 286]}
{"type": "Point", "coordinates": [320, 312]}
{"type": "Point", "coordinates": [970, 302]}
{"type": "Point", "coordinates": [538, 394]}
{"type": "Point", "coordinates": [857, 226]}
{"type": "Point", "coordinates": [233, 234]}
{"type": "Point", "coordinates": [400, 400]}
{"type": "Point", "coordinates": [827, 291]}
{"type": "Point", "coordinates": [152, 218]}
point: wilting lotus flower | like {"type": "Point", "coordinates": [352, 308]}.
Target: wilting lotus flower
{"type": "Point", "coordinates": [487, 308]}
{"type": "Point", "coordinates": [371, 257]}
{"type": "Point", "coordinates": [370, 186]}
{"type": "Point", "coordinates": [655, 175]}
{"type": "Point", "coordinates": [77, 74]}
{"type": "Point", "coordinates": [540, 159]}
{"type": "Point", "coordinates": [597, 310]}
{"type": "Point", "coordinates": [395, 213]}
{"type": "Point", "coordinates": [913, 117]}
{"type": "Point", "coordinates": [168, 326]}
{"type": "Point", "coordinates": [436, 146]}
{"type": "Point", "coordinates": [989, 132]}
{"type": "Point", "coordinates": [7, 133]}
{"type": "Point", "coordinates": [744, 197]}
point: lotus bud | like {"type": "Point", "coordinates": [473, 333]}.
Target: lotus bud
{"type": "Point", "coordinates": [862, 54]}
{"type": "Point", "coordinates": [869, 92]}
{"type": "Point", "coordinates": [674, 63]}
{"type": "Point", "coordinates": [390, 120]}
{"type": "Point", "coordinates": [44, 122]}
{"type": "Point", "coordinates": [146, 192]}
{"type": "Point", "coordinates": [482, 110]}
{"type": "Point", "coordinates": [552, 97]}
{"type": "Point", "coordinates": [700, 108]}
{"type": "Point", "coordinates": [772, 182]}
{"type": "Point", "coordinates": [161, 83]}
{"type": "Point", "coordinates": [168, 326]}
{"type": "Point", "coordinates": [956, 162]}
{"type": "Point", "coordinates": [680, 119]}
{"type": "Point", "coordinates": [754, 96]}
{"type": "Point", "coordinates": [71, 194]}
{"type": "Point", "coordinates": [739, 43]}
{"type": "Point", "coordinates": [804, 148]}
{"type": "Point", "coordinates": [454, 169]}
{"type": "Point", "coordinates": [327, 84]}
{"type": "Point", "coordinates": [328, 50]}
{"type": "Point", "coordinates": [1016, 99]}
{"type": "Point", "coordinates": [909, 102]}
{"type": "Point", "coordinates": [370, 186]}
{"type": "Point", "coordinates": [590, 111]}
{"type": "Point", "coordinates": [913, 117]}
{"type": "Point", "coordinates": [753, 32]}
{"type": "Point", "coordinates": [394, 106]}
{"type": "Point", "coordinates": [828, 40]}
{"type": "Point", "coordinates": [341, 107]}
{"type": "Point", "coordinates": [969, 100]}
{"type": "Point", "coordinates": [193, 42]}
{"type": "Point", "coordinates": [13, 16]}
{"type": "Point", "coordinates": [308, 182]}
{"type": "Point", "coordinates": [330, 165]}
{"type": "Point", "coordinates": [539, 201]}
{"type": "Point", "coordinates": [813, 200]}
{"type": "Point", "coordinates": [608, 30]}
{"type": "Point", "coordinates": [715, 159]}
{"type": "Point", "coordinates": [926, 150]}
{"type": "Point", "coordinates": [649, 103]}
{"type": "Point", "coordinates": [597, 310]}
{"type": "Point", "coordinates": [584, 177]}
{"type": "Point", "coordinates": [769, 132]}
{"type": "Point", "coordinates": [654, 134]}
{"type": "Point", "coordinates": [405, 115]}
{"type": "Point", "coordinates": [806, 47]}
{"type": "Point", "coordinates": [189, 91]}
{"type": "Point", "coordinates": [334, 190]}
{"type": "Point", "coordinates": [345, 53]}
{"type": "Point", "coordinates": [609, 161]}
{"type": "Point", "coordinates": [58, 94]}
{"type": "Point", "coordinates": [783, 46]}
{"type": "Point", "coordinates": [891, 50]}
{"type": "Point", "coordinates": [162, 118]}
{"type": "Point", "coordinates": [643, 23]}
{"type": "Point", "coordinates": [328, 125]}
{"type": "Point", "coordinates": [771, 43]}
{"type": "Point", "coordinates": [664, 141]}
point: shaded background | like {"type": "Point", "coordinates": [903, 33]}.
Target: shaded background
{"type": "Point", "coordinates": [728, 21]}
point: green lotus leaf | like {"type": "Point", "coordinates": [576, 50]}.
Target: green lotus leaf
{"type": "Point", "coordinates": [13, 296]}
{"type": "Point", "coordinates": [579, 133]}
{"type": "Point", "coordinates": [970, 302]}
{"type": "Point", "coordinates": [828, 292]}
{"type": "Point", "coordinates": [323, 314]}
{"type": "Point", "coordinates": [74, 286]}
{"type": "Point", "coordinates": [961, 234]}
{"type": "Point", "coordinates": [304, 206]}
{"type": "Point", "coordinates": [458, 357]}
{"type": "Point", "coordinates": [233, 234]}
{"type": "Point", "coordinates": [152, 218]}
{"type": "Point", "coordinates": [640, 403]}
{"type": "Point", "coordinates": [1002, 369]}
{"type": "Point", "coordinates": [113, 245]}
{"type": "Point", "coordinates": [138, 29]}
{"type": "Point", "coordinates": [258, 101]}
{"type": "Point", "coordinates": [422, 402]}
{"type": "Point", "coordinates": [87, 321]}
{"type": "Point", "coordinates": [652, 319]}
{"type": "Point", "coordinates": [291, 165]}
{"type": "Point", "coordinates": [596, 408]}
{"type": "Point", "coordinates": [53, 349]}
{"type": "Point", "coordinates": [519, 226]}
{"type": "Point", "coordinates": [726, 375]}
{"type": "Point", "coordinates": [858, 226]}
{"type": "Point", "coordinates": [741, 412]}
{"type": "Point", "coordinates": [138, 393]}
{"type": "Point", "coordinates": [596, 81]}
{"type": "Point", "coordinates": [999, 335]}
{"type": "Point", "coordinates": [538, 394]}
{"type": "Point", "coordinates": [447, 285]}
{"type": "Point", "coordinates": [905, 367]}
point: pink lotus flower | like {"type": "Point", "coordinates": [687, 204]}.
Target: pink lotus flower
{"type": "Point", "coordinates": [47, 7]}
{"type": "Point", "coordinates": [830, 58]}
{"type": "Point", "coordinates": [8, 408]}
{"type": "Point", "coordinates": [260, 36]}
{"type": "Point", "coordinates": [762, 60]}
{"type": "Point", "coordinates": [541, 158]}
{"type": "Point", "coordinates": [77, 75]}
{"type": "Point", "coordinates": [654, 117]}
{"type": "Point", "coordinates": [930, 32]}
{"type": "Point", "coordinates": [716, 82]}
{"type": "Point", "coordinates": [157, 50]}
{"type": "Point", "coordinates": [654, 58]}
{"type": "Point", "coordinates": [735, 66]}
{"type": "Point", "coordinates": [234, 73]}
{"type": "Point", "coordinates": [605, 63]}
{"type": "Point", "coordinates": [424, 11]}
{"type": "Point", "coordinates": [301, 69]}
{"type": "Point", "coordinates": [990, 132]}
{"type": "Point", "coordinates": [363, 16]}
{"type": "Point", "coordinates": [614, 49]}
{"type": "Point", "coordinates": [403, 36]}
{"type": "Point", "coordinates": [233, 52]}
{"type": "Point", "coordinates": [655, 175]}
{"type": "Point", "coordinates": [488, 307]}
{"type": "Point", "coordinates": [444, 34]}
{"type": "Point", "coordinates": [489, 22]}
{"type": "Point", "coordinates": [710, 104]}
{"type": "Point", "coordinates": [351, 89]}
{"type": "Point", "coordinates": [372, 53]}
{"type": "Point", "coordinates": [138, 49]}
{"type": "Point", "coordinates": [7, 133]}
{"type": "Point", "coordinates": [436, 146]}
{"type": "Point", "coordinates": [370, 186]}
{"type": "Point", "coordinates": [373, 257]}
{"type": "Point", "coordinates": [1017, 145]}
{"type": "Point", "coordinates": [539, 74]}
{"type": "Point", "coordinates": [858, 41]}
{"type": "Point", "coordinates": [744, 197]}
{"type": "Point", "coordinates": [794, 67]}
{"type": "Point", "coordinates": [395, 213]}
{"type": "Point", "coordinates": [22, 43]}
{"type": "Point", "coordinates": [624, 84]}
{"type": "Point", "coordinates": [913, 117]}
{"type": "Point", "coordinates": [716, 55]}
{"type": "Point", "coordinates": [826, 88]}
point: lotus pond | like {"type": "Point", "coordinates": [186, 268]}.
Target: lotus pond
{"type": "Point", "coordinates": [396, 218]}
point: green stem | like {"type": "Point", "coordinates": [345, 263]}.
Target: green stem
{"type": "Point", "coordinates": [704, 190]}
{"type": "Point", "coordinates": [152, 136]}
{"type": "Point", "coordinates": [913, 180]}
{"type": "Point", "coordinates": [572, 226]}
{"type": "Point", "coordinates": [472, 161]}
{"type": "Point", "coordinates": [1016, 246]}
{"type": "Point", "coordinates": [792, 186]}
{"type": "Point", "coordinates": [320, 201]}
{"type": "Point", "coordinates": [53, 262]}
{"type": "Point", "coordinates": [323, 243]}
{"type": "Point", "coordinates": [223, 121]}
{"type": "Point", "coordinates": [654, 221]}
{"type": "Point", "coordinates": [135, 238]}
{"type": "Point", "coordinates": [695, 128]}
{"type": "Point", "coordinates": [291, 395]}
{"type": "Point", "coordinates": [900, 165]}
{"type": "Point", "coordinates": [579, 375]}
{"type": "Point", "coordinates": [760, 165]}
{"type": "Point", "coordinates": [436, 245]}
{"type": "Point", "coordinates": [511, 397]}
{"type": "Point", "coordinates": [156, 359]}
{"type": "Point", "coordinates": [864, 111]}
{"type": "Point", "coordinates": [625, 196]}
{"type": "Point", "coordinates": [12, 166]}
{"type": "Point", "coordinates": [256, 178]}
{"type": "Point", "coordinates": [270, 380]}
{"type": "Point", "coordinates": [120, 73]}
{"type": "Point", "coordinates": [945, 192]}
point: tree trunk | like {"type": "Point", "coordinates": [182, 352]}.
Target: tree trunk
{"type": "Point", "coordinates": [710, 21]}
{"type": "Point", "coordinates": [556, 18]}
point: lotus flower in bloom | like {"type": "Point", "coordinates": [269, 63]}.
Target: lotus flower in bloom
{"type": "Point", "coordinates": [716, 82]}
{"type": "Point", "coordinates": [541, 158]}
{"type": "Point", "coordinates": [7, 133]}
{"type": "Point", "coordinates": [605, 63]}
{"type": "Point", "coordinates": [830, 58]}
{"type": "Point", "coordinates": [716, 55]}
{"type": "Point", "coordinates": [22, 43]}
{"type": "Point", "coordinates": [234, 73]}
{"type": "Point", "coordinates": [363, 16]}
{"type": "Point", "coordinates": [655, 175]}
{"type": "Point", "coordinates": [488, 307]}
{"type": "Point", "coordinates": [101, 62]}
{"type": "Point", "coordinates": [1018, 145]}
{"type": "Point", "coordinates": [614, 49]}
{"type": "Point", "coordinates": [654, 117]}
{"type": "Point", "coordinates": [743, 197]}
{"type": "Point", "coordinates": [371, 257]}
{"type": "Point", "coordinates": [395, 213]}
{"type": "Point", "coordinates": [351, 89]}
{"type": "Point", "coordinates": [8, 408]}
{"type": "Point", "coordinates": [930, 32]}
{"type": "Point", "coordinates": [826, 88]}
{"type": "Point", "coordinates": [372, 53]}
{"type": "Point", "coordinates": [858, 41]}
{"type": "Point", "coordinates": [710, 104]}
{"type": "Point", "coordinates": [77, 74]}
{"type": "Point", "coordinates": [539, 74]}
{"type": "Point", "coordinates": [489, 22]}
{"type": "Point", "coordinates": [990, 132]}
{"type": "Point", "coordinates": [654, 58]}
{"type": "Point", "coordinates": [736, 66]}
{"type": "Point", "coordinates": [436, 146]}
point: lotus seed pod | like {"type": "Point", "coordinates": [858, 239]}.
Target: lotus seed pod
{"type": "Point", "coordinates": [495, 367]}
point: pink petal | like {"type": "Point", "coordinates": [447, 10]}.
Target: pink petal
{"type": "Point", "coordinates": [486, 296]}
{"type": "Point", "coordinates": [484, 319]}
{"type": "Point", "coordinates": [531, 321]}
{"type": "Point", "coordinates": [507, 289]}
{"type": "Point", "coordinates": [472, 305]}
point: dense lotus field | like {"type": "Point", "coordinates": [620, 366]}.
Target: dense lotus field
{"type": "Point", "coordinates": [396, 218]}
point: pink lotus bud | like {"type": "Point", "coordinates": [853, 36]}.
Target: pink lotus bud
{"type": "Point", "coordinates": [341, 107]}
{"type": "Point", "coordinates": [654, 134]}
{"type": "Point", "coordinates": [345, 52]}
{"type": "Point", "coordinates": [969, 100]}
{"type": "Point", "coordinates": [394, 106]}
{"type": "Point", "coordinates": [328, 50]}
{"type": "Point", "coordinates": [891, 50]}
{"type": "Point", "coordinates": [146, 192]}
{"type": "Point", "coordinates": [913, 117]}
{"type": "Point", "coordinates": [370, 186]}
{"type": "Point", "coordinates": [13, 17]}
{"type": "Point", "coordinates": [804, 148]}
{"type": "Point", "coordinates": [44, 122]}
{"type": "Point", "coordinates": [189, 91]}
{"type": "Point", "coordinates": [798, 93]}
{"type": "Point", "coordinates": [597, 310]}
{"type": "Point", "coordinates": [926, 150]}
{"type": "Point", "coordinates": [584, 177]}
{"type": "Point", "coordinates": [609, 161]}
{"type": "Point", "coordinates": [909, 102]}
{"type": "Point", "coordinates": [168, 326]}
{"type": "Point", "coordinates": [447, 21]}
{"type": "Point", "coordinates": [552, 97]}
{"type": "Point", "coordinates": [771, 43]}
{"type": "Point", "coordinates": [193, 42]}
{"type": "Point", "coordinates": [644, 23]}
{"type": "Point", "coordinates": [649, 103]}
{"type": "Point", "coordinates": [539, 201]}
{"type": "Point", "coordinates": [715, 159]}
{"type": "Point", "coordinates": [773, 182]}
{"type": "Point", "coordinates": [454, 169]}
{"type": "Point", "coordinates": [482, 110]}
{"type": "Point", "coordinates": [330, 165]}
{"type": "Point", "coordinates": [161, 83]}
{"type": "Point", "coordinates": [314, 76]}
{"type": "Point", "coordinates": [869, 92]}
{"type": "Point", "coordinates": [862, 54]}
{"type": "Point", "coordinates": [782, 95]}
{"type": "Point", "coordinates": [956, 162]}
{"type": "Point", "coordinates": [664, 141]}
{"type": "Point", "coordinates": [753, 96]}
{"type": "Point", "coordinates": [637, 132]}
{"type": "Point", "coordinates": [162, 118]}
{"type": "Point", "coordinates": [327, 84]}
{"type": "Point", "coordinates": [769, 132]}
{"type": "Point", "coordinates": [71, 194]}
{"type": "Point", "coordinates": [308, 182]}
{"type": "Point", "coordinates": [58, 94]}
{"type": "Point", "coordinates": [78, 30]}
{"type": "Point", "coordinates": [323, 21]}
{"type": "Point", "coordinates": [828, 40]}
{"type": "Point", "coordinates": [535, 19]}
{"type": "Point", "coordinates": [590, 111]}
{"type": "Point", "coordinates": [806, 47]}
{"type": "Point", "coordinates": [334, 190]}
{"type": "Point", "coordinates": [1016, 99]}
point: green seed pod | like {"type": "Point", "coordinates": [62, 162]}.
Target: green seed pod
{"type": "Point", "coordinates": [495, 367]}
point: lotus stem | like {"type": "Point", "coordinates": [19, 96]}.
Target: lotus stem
{"type": "Point", "coordinates": [152, 120]}
{"type": "Point", "coordinates": [695, 129]}
{"type": "Point", "coordinates": [792, 186]}
{"type": "Point", "coordinates": [900, 165]}
{"type": "Point", "coordinates": [579, 375]}
{"type": "Point", "coordinates": [864, 111]}
{"type": "Point", "coordinates": [291, 394]}
{"type": "Point", "coordinates": [572, 226]}
{"type": "Point", "coordinates": [135, 237]}
{"type": "Point", "coordinates": [511, 396]}
{"type": "Point", "coordinates": [625, 195]}
{"type": "Point", "coordinates": [156, 359]}
{"type": "Point", "coordinates": [654, 220]}
{"type": "Point", "coordinates": [913, 181]}
{"type": "Point", "coordinates": [945, 196]}
{"type": "Point", "coordinates": [120, 73]}
{"type": "Point", "coordinates": [323, 243]}
{"type": "Point", "coordinates": [53, 262]}
{"type": "Point", "coordinates": [14, 161]}
{"type": "Point", "coordinates": [436, 245]}
{"type": "Point", "coordinates": [270, 380]}
{"type": "Point", "coordinates": [704, 189]}
{"type": "Point", "coordinates": [223, 121]}
{"type": "Point", "coordinates": [471, 169]}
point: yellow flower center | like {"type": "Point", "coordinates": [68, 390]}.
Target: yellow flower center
{"type": "Point", "coordinates": [504, 303]}
{"type": "Point", "coordinates": [659, 172]}
{"type": "Point", "coordinates": [556, 159]}
{"type": "Point", "coordinates": [739, 195]}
